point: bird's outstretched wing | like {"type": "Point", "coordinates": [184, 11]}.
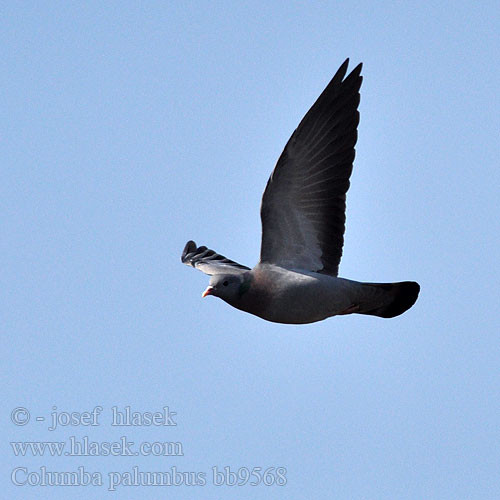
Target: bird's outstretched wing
{"type": "Point", "coordinates": [303, 206]}
{"type": "Point", "coordinates": [208, 261]}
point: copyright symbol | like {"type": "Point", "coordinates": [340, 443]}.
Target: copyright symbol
{"type": "Point", "coordinates": [20, 416]}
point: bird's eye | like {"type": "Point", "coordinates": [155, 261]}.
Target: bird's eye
{"type": "Point", "coordinates": [226, 283]}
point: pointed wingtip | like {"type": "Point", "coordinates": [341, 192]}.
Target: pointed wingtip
{"type": "Point", "coordinates": [342, 71]}
{"type": "Point", "coordinates": [346, 63]}
{"type": "Point", "coordinates": [357, 69]}
{"type": "Point", "coordinates": [339, 75]}
{"type": "Point", "coordinates": [188, 248]}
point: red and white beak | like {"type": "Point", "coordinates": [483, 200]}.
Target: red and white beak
{"type": "Point", "coordinates": [208, 291]}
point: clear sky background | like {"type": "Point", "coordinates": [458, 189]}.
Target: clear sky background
{"type": "Point", "coordinates": [128, 128]}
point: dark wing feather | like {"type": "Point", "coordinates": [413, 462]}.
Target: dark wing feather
{"type": "Point", "coordinates": [208, 261]}
{"type": "Point", "coordinates": [303, 206]}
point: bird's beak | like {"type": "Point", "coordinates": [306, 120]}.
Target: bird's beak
{"type": "Point", "coordinates": [208, 291]}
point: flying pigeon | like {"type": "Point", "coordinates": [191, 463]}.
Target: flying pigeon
{"type": "Point", "coordinates": [303, 220]}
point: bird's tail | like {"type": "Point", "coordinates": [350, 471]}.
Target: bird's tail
{"type": "Point", "coordinates": [397, 298]}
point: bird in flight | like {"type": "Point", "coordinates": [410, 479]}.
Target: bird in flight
{"type": "Point", "coordinates": [303, 220]}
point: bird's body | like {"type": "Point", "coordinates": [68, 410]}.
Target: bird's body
{"type": "Point", "coordinates": [303, 216]}
{"type": "Point", "coordinates": [296, 296]}
{"type": "Point", "coordinates": [289, 296]}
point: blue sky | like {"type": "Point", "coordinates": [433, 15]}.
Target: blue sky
{"type": "Point", "coordinates": [130, 127]}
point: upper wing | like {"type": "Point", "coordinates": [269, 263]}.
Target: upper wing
{"type": "Point", "coordinates": [303, 206]}
{"type": "Point", "coordinates": [209, 261]}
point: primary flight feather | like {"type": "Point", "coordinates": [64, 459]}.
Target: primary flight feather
{"type": "Point", "coordinates": [303, 222]}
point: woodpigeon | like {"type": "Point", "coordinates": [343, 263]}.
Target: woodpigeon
{"type": "Point", "coordinates": [303, 220]}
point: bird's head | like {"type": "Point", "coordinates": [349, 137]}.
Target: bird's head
{"type": "Point", "coordinates": [228, 287]}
